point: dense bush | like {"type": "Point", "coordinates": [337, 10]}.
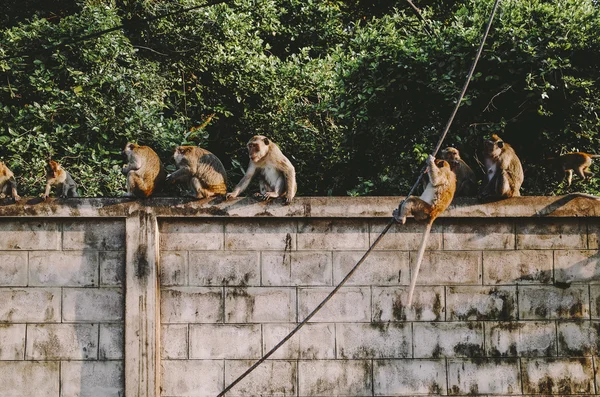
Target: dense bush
{"type": "Point", "coordinates": [355, 93]}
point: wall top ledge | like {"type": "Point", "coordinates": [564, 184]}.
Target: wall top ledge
{"type": "Point", "coordinates": [302, 207]}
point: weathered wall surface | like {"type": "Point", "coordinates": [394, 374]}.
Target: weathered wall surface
{"type": "Point", "coordinates": [507, 304]}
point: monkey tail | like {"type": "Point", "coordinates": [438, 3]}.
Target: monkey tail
{"type": "Point", "coordinates": [594, 156]}
{"type": "Point", "coordinates": [420, 254]}
{"type": "Point", "coordinates": [584, 195]}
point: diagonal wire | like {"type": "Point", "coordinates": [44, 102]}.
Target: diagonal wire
{"type": "Point", "coordinates": [387, 227]}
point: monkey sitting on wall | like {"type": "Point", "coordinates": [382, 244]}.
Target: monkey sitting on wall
{"type": "Point", "coordinates": [57, 175]}
{"type": "Point", "coordinates": [201, 170]}
{"type": "Point", "coordinates": [466, 181]}
{"type": "Point", "coordinates": [437, 196]}
{"type": "Point", "coordinates": [8, 184]}
{"type": "Point", "coordinates": [144, 171]}
{"type": "Point", "coordinates": [578, 162]}
{"type": "Point", "coordinates": [277, 174]}
{"type": "Point", "coordinates": [504, 170]}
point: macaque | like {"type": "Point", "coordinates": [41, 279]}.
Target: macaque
{"type": "Point", "coordinates": [201, 170]}
{"type": "Point", "coordinates": [466, 181]}
{"type": "Point", "coordinates": [575, 161]}
{"type": "Point", "coordinates": [8, 184]}
{"type": "Point", "coordinates": [504, 170]}
{"type": "Point", "coordinates": [277, 174]}
{"type": "Point", "coordinates": [58, 176]}
{"type": "Point", "coordinates": [144, 171]}
{"type": "Point", "coordinates": [437, 196]}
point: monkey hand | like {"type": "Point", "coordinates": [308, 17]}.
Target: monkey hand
{"type": "Point", "coordinates": [231, 195]}
{"type": "Point", "coordinates": [430, 160]}
{"type": "Point", "coordinates": [16, 198]}
{"type": "Point", "coordinates": [397, 217]}
{"type": "Point", "coordinates": [288, 200]}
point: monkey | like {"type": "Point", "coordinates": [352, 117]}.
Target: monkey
{"type": "Point", "coordinates": [578, 162]}
{"type": "Point", "coordinates": [57, 175]}
{"type": "Point", "coordinates": [201, 170]}
{"type": "Point", "coordinates": [466, 182]}
{"type": "Point", "coordinates": [435, 199]}
{"type": "Point", "coordinates": [504, 170]}
{"type": "Point", "coordinates": [277, 174]}
{"type": "Point", "coordinates": [144, 171]}
{"type": "Point", "coordinates": [8, 184]}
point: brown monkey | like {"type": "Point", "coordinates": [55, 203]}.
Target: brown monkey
{"type": "Point", "coordinates": [504, 170]}
{"type": "Point", "coordinates": [201, 170]}
{"type": "Point", "coordinates": [435, 199]}
{"type": "Point", "coordinates": [57, 175]}
{"type": "Point", "coordinates": [575, 161]}
{"type": "Point", "coordinates": [466, 181]}
{"type": "Point", "coordinates": [8, 184]}
{"type": "Point", "coordinates": [277, 174]}
{"type": "Point", "coordinates": [144, 171]}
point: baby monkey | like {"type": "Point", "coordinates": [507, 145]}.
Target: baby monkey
{"type": "Point", "coordinates": [8, 184]}
{"type": "Point", "coordinates": [578, 162]}
{"type": "Point", "coordinates": [201, 170]}
{"type": "Point", "coordinates": [58, 176]}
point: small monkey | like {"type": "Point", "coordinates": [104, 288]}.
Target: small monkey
{"type": "Point", "coordinates": [437, 196]}
{"type": "Point", "coordinates": [201, 170]}
{"type": "Point", "coordinates": [8, 184]}
{"type": "Point", "coordinates": [144, 171]}
{"type": "Point", "coordinates": [466, 181]}
{"type": "Point", "coordinates": [277, 174]}
{"type": "Point", "coordinates": [57, 175]}
{"type": "Point", "coordinates": [578, 162]}
{"type": "Point", "coordinates": [504, 170]}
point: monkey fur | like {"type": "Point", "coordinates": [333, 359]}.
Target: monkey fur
{"type": "Point", "coordinates": [578, 162]}
{"type": "Point", "coordinates": [201, 170]}
{"type": "Point", "coordinates": [277, 174]}
{"type": "Point", "coordinates": [466, 181]}
{"type": "Point", "coordinates": [504, 169]}
{"type": "Point", "coordinates": [8, 184]}
{"type": "Point", "coordinates": [58, 176]}
{"type": "Point", "coordinates": [144, 171]}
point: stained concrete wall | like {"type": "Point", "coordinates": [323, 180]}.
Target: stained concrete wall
{"type": "Point", "coordinates": [508, 299]}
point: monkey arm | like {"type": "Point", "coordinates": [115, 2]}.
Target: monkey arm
{"type": "Point", "coordinates": [290, 177]}
{"type": "Point", "coordinates": [244, 182]}
{"type": "Point", "coordinates": [132, 166]}
{"type": "Point", "coordinates": [47, 191]}
{"type": "Point", "coordinates": [182, 173]}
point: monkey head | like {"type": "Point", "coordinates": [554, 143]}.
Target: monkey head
{"type": "Point", "coordinates": [181, 152]}
{"type": "Point", "coordinates": [258, 147]}
{"type": "Point", "coordinates": [129, 148]}
{"type": "Point", "coordinates": [493, 147]}
{"type": "Point", "coordinates": [450, 154]}
{"type": "Point", "coordinates": [52, 169]}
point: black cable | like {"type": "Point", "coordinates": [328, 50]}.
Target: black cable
{"type": "Point", "coordinates": [109, 30]}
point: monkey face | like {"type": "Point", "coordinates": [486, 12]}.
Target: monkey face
{"type": "Point", "coordinates": [52, 168]}
{"type": "Point", "coordinates": [129, 148]}
{"type": "Point", "coordinates": [442, 163]}
{"type": "Point", "coordinates": [180, 153]}
{"type": "Point", "coordinates": [493, 147]}
{"type": "Point", "coordinates": [258, 147]}
{"type": "Point", "coordinates": [450, 154]}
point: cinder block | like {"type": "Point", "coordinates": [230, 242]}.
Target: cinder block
{"type": "Point", "coordinates": [594, 301]}
{"type": "Point", "coordinates": [391, 304]}
{"type": "Point", "coordinates": [548, 302]}
{"type": "Point", "coordinates": [173, 268]}
{"type": "Point", "coordinates": [12, 341]}
{"type": "Point", "coordinates": [593, 234]}
{"type": "Point", "coordinates": [335, 377]}
{"type": "Point", "coordinates": [453, 339]}
{"type": "Point", "coordinates": [112, 268]}
{"type": "Point", "coordinates": [517, 267]}
{"type": "Point", "coordinates": [558, 376]}
{"type": "Point", "coordinates": [26, 379]}
{"type": "Point", "coordinates": [174, 342]}
{"type": "Point", "coordinates": [13, 269]}
{"type": "Point", "coordinates": [261, 234]}
{"type": "Point", "coordinates": [520, 339]}
{"type": "Point", "coordinates": [561, 233]}
{"type": "Point", "coordinates": [380, 268]}
{"type": "Point", "coordinates": [479, 234]}
{"type": "Point", "coordinates": [92, 379]}
{"type": "Point", "coordinates": [333, 234]}
{"type": "Point", "coordinates": [111, 342]}
{"type": "Point", "coordinates": [210, 342]}
{"type": "Point", "coordinates": [576, 266]}
{"type": "Point", "coordinates": [448, 267]}
{"type": "Point", "coordinates": [409, 377]}
{"type": "Point", "coordinates": [20, 305]}
{"type": "Point", "coordinates": [180, 377]}
{"type": "Point", "coordinates": [349, 304]}
{"type": "Point", "coordinates": [296, 268]}
{"type": "Point", "coordinates": [481, 303]}
{"type": "Point", "coordinates": [312, 342]}
{"type": "Point", "coordinates": [484, 376]}
{"type": "Point", "coordinates": [271, 378]}
{"type": "Point", "coordinates": [29, 235]}
{"type": "Point", "coordinates": [260, 305]}
{"type": "Point", "coordinates": [92, 304]}
{"type": "Point", "coordinates": [373, 340]}
{"type": "Point", "coordinates": [191, 305]}
{"type": "Point", "coordinates": [213, 268]}
{"type": "Point", "coordinates": [193, 234]}
{"type": "Point", "coordinates": [577, 339]}
{"type": "Point", "coordinates": [405, 237]}
{"type": "Point", "coordinates": [62, 342]}
{"type": "Point", "coordinates": [63, 268]}
{"type": "Point", "coordinates": [94, 234]}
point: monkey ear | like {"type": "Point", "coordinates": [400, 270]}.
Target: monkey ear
{"type": "Point", "coordinates": [500, 144]}
{"type": "Point", "coordinates": [266, 141]}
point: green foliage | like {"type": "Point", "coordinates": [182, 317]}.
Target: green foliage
{"type": "Point", "coordinates": [356, 94]}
